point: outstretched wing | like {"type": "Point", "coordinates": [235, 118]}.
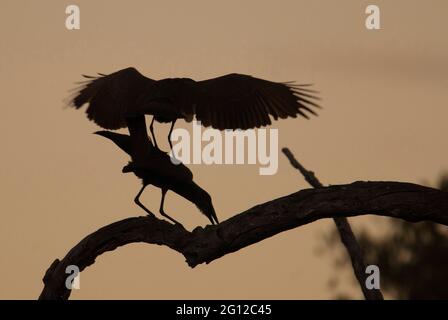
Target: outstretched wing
{"type": "Point", "coordinates": [237, 101]}
{"type": "Point", "coordinates": [112, 97]}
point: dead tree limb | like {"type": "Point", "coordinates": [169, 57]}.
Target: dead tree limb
{"type": "Point", "coordinates": [345, 232]}
{"type": "Point", "coordinates": [406, 201]}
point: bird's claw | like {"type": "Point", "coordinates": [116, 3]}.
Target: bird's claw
{"type": "Point", "coordinates": [150, 214]}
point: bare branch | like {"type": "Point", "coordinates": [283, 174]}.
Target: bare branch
{"type": "Point", "coordinates": [345, 232]}
{"type": "Point", "coordinates": [407, 201]}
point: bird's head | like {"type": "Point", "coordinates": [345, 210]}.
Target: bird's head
{"type": "Point", "coordinates": [127, 168]}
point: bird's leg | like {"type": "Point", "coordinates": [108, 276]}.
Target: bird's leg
{"type": "Point", "coordinates": [169, 134]}
{"type": "Point", "coordinates": [137, 201]}
{"type": "Point", "coordinates": [162, 212]}
{"type": "Point", "coordinates": [151, 128]}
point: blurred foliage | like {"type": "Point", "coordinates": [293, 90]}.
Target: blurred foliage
{"type": "Point", "coordinates": [412, 257]}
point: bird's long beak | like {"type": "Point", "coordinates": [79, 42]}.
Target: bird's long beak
{"type": "Point", "coordinates": [100, 133]}
{"type": "Point", "coordinates": [127, 168]}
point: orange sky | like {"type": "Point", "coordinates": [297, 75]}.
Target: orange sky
{"type": "Point", "coordinates": [384, 118]}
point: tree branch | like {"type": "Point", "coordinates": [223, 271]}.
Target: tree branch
{"type": "Point", "coordinates": [406, 201]}
{"type": "Point", "coordinates": [345, 232]}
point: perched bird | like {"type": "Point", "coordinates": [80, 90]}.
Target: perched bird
{"type": "Point", "coordinates": [154, 167]}
{"type": "Point", "coordinates": [233, 101]}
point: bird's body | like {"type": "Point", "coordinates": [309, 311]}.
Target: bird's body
{"type": "Point", "coordinates": [233, 101]}
{"type": "Point", "coordinates": [154, 167]}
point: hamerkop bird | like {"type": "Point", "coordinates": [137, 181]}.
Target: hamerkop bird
{"type": "Point", "coordinates": [154, 167]}
{"type": "Point", "coordinates": [233, 101]}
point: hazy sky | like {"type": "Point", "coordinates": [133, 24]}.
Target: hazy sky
{"type": "Point", "coordinates": [384, 118]}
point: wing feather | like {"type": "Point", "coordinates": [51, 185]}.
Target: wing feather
{"type": "Point", "coordinates": [112, 97]}
{"type": "Point", "coordinates": [249, 102]}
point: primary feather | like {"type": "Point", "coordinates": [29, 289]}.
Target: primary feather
{"type": "Point", "coordinates": [233, 101]}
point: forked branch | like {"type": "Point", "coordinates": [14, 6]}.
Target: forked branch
{"type": "Point", "coordinates": [345, 232]}
{"type": "Point", "coordinates": [406, 201]}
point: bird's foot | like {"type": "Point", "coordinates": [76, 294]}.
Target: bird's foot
{"type": "Point", "coordinates": [152, 215]}
{"type": "Point", "coordinates": [176, 223]}
{"type": "Point", "coordinates": [179, 224]}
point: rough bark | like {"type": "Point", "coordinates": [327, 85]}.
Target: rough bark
{"type": "Point", "coordinates": [406, 201]}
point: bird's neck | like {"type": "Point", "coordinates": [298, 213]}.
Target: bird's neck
{"type": "Point", "coordinates": [141, 145]}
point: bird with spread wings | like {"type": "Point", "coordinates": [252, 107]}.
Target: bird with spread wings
{"type": "Point", "coordinates": [233, 101]}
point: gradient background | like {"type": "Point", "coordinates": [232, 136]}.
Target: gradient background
{"type": "Point", "coordinates": [384, 118]}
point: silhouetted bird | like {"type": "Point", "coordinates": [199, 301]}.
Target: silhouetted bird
{"type": "Point", "coordinates": [233, 101]}
{"type": "Point", "coordinates": [154, 167]}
